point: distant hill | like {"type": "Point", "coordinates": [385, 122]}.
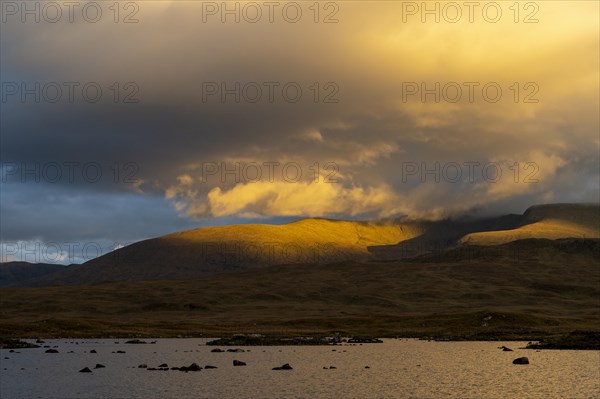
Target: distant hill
{"type": "Point", "coordinates": [546, 221]}
{"type": "Point", "coordinates": [15, 273]}
{"type": "Point", "coordinates": [215, 250]}
{"type": "Point", "coordinates": [212, 250]}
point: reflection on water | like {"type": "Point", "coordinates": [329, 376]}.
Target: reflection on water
{"type": "Point", "coordinates": [397, 369]}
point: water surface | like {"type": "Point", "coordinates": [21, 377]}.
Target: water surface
{"type": "Point", "coordinates": [398, 369]}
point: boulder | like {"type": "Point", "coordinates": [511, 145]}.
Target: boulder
{"type": "Point", "coordinates": [163, 365]}
{"type": "Point", "coordinates": [143, 366]}
{"type": "Point", "coordinates": [99, 366]}
{"type": "Point", "coordinates": [505, 348]}
{"type": "Point", "coordinates": [85, 370]}
{"type": "Point", "coordinates": [210, 367]}
{"type": "Point", "coordinates": [284, 367]}
{"type": "Point", "coordinates": [235, 350]}
{"type": "Point", "coordinates": [194, 367]}
{"type": "Point", "coordinates": [238, 363]}
{"type": "Point", "coordinates": [135, 341]}
{"type": "Point", "coordinates": [217, 350]}
{"type": "Point", "coordinates": [521, 360]}
{"type": "Point", "coordinates": [93, 351]}
{"type": "Point", "coordinates": [191, 367]}
{"type": "Point", "coordinates": [51, 351]}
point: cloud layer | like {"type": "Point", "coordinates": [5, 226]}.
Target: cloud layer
{"type": "Point", "coordinates": [396, 116]}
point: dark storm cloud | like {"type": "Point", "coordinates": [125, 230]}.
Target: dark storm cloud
{"type": "Point", "coordinates": [49, 211]}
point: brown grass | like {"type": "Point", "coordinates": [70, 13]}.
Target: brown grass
{"type": "Point", "coordinates": [529, 290]}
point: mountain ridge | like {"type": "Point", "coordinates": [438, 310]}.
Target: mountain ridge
{"type": "Point", "coordinates": [224, 249]}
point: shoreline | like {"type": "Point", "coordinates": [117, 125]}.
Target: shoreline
{"type": "Point", "coordinates": [576, 340]}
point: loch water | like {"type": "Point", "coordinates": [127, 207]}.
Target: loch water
{"type": "Point", "coordinates": [396, 368]}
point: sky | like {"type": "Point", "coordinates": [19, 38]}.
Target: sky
{"type": "Point", "coordinates": [121, 123]}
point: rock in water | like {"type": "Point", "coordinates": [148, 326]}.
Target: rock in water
{"type": "Point", "coordinates": [85, 370]}
{"type": "Point", "coordinates": [284, 367]}
{"type": "Point", "coordinates": [521, 360]}
{"type": "Point", "coordinates": [191, 367]}
{"type": "Point", "coordinates": [238, 363]}
{"type": "Point", "coordinates": [194, 367]}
